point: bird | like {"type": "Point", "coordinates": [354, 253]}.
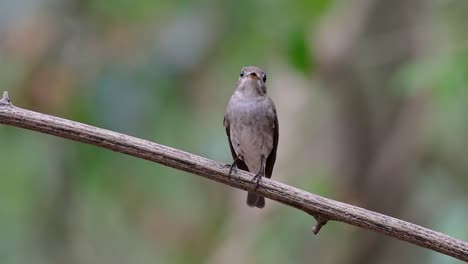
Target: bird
{"type": "Point", "coordinates": [251, 124]}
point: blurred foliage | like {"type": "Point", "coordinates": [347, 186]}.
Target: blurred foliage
{"type": "Point", "coordinates": [164, 71]}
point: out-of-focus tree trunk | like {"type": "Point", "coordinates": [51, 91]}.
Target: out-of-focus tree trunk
{"type": "Point", "coordinates": [380, 132]}
{"type": "Point", "coordinates": [57, 232]}
{"type": "Point", "coordinates": [49, 85]}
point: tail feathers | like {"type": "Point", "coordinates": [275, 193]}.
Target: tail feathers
{"type": "Point", "coordinates": [254, 200]}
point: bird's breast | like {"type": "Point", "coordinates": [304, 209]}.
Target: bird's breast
{"type": "Point", "coordinates": [251, 130]}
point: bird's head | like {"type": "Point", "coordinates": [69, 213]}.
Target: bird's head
{"type": "Point", "coordinates": [252, 82]}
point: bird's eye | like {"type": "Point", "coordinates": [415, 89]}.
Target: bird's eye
{"type": "Point", "coordinates": [264, 78]}
{"type": "Point", "coordinates": [242, 73]}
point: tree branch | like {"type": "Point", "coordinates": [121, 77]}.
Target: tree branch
{"type": "Point", "coordinates": [321, 208]}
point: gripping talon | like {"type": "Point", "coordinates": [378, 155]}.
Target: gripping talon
{"type": "Point", "coordinates": [232, 168]}
{"type": "Point", "coordinates": [256, 179]}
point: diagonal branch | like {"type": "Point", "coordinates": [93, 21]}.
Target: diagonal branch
{"type": "Point", "coordinates": [321, 208]}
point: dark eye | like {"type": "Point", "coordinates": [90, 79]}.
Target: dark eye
{"type": "Point", "coordinates": [242, 73]}
{"type": "Point", "coordinates": [264, 78]}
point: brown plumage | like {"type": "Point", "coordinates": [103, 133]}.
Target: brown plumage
{"type": "Point", "coordinates": [252, 128]}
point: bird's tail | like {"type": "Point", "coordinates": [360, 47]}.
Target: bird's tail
{"type": "Point", "coordinates": [254, 200]}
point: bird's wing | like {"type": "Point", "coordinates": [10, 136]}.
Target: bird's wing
{"type": "Point", "coordinates": [240, 163]}
{"type": "Point", "coordinates": [270, 162]}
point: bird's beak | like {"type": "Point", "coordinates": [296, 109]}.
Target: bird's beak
{"type": "Point", "coordinates": [253, 75]}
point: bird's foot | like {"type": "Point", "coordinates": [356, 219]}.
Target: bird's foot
{"type": "Point", "coordinates": [257, 179]}
{"type": "Point", "coordinates": [232, 167]}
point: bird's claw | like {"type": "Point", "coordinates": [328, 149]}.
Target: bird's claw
{"type": "Point", "coordinates": [232, 167]}
{"type": "Point", "coordinates": [257, 179]}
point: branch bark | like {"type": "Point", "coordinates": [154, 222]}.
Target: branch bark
{"type": "Point", "coordinates": [321, 208]}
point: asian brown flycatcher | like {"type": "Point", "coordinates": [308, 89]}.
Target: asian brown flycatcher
{"type": "Point", "coordinates": [252, 128]}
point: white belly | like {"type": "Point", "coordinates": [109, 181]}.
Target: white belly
{"type": "Point", "coordinates": [251, 133]}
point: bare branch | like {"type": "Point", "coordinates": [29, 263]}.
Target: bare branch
{"type": "Point", "coordinates": [321, 208]}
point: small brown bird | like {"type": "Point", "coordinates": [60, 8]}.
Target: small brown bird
{"type": "Point", "coordinates": [252, 128]}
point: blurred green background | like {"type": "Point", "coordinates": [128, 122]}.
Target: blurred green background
{"type": "Point", "coordinates": [371, 96]}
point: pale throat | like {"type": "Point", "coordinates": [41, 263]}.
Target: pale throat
{"type": "Point", "coordinates": [249, 89]}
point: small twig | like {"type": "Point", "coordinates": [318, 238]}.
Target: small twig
{"type": "Point", "coordinates": [5, 99]}
{"type": "Point", "coordinates": [321, 221]}
{"type": "Point", "coordinates": [322, 208]}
